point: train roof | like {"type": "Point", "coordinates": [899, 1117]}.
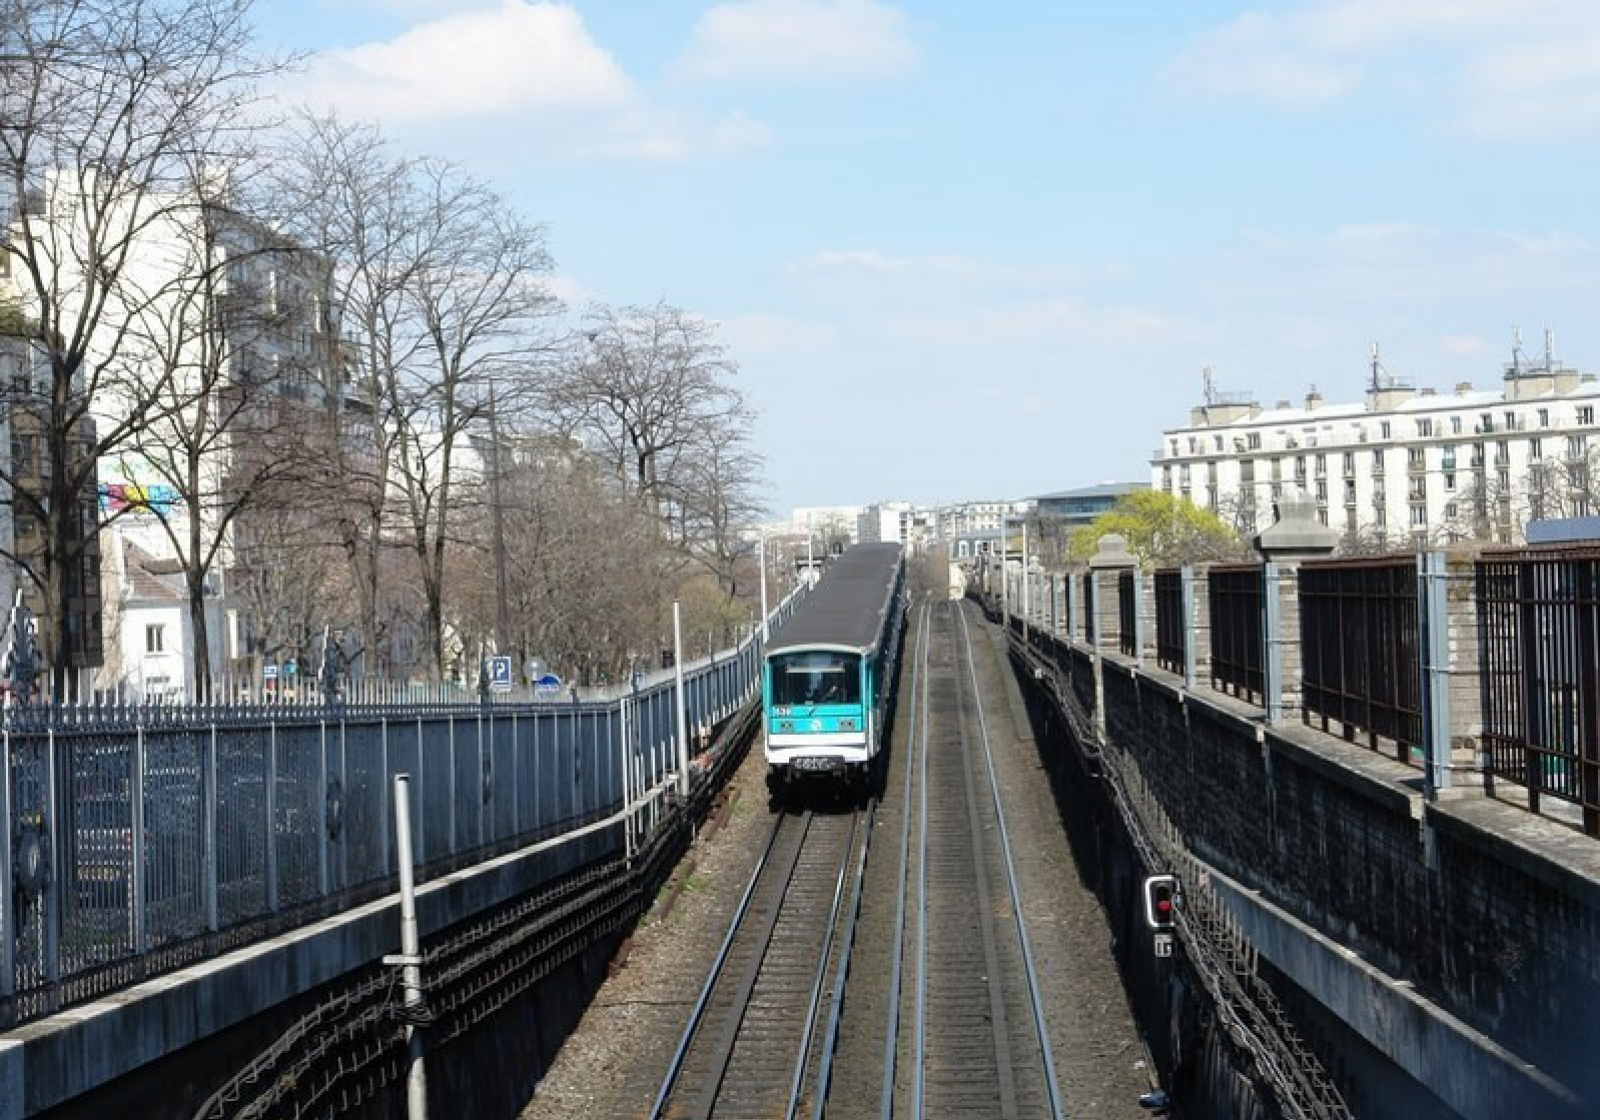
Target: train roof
{"type": "Point", "coordinates": [847, 607]}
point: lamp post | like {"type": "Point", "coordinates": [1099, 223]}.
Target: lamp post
{"type": "Point", "coordinates": [764, 634]}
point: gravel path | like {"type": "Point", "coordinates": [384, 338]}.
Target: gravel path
{"type": "Point", "coordinates": [613, 1063]}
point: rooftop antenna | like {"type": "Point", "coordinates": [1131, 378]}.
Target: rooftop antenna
{"type": "Point", "coordinates": [1549, 348]}
{"type": "Point", "coordinates": [1210, 389]}
{"type": "Point", "coordinates": [1379, 378]}
{"type": "Point", "coordinates": [1517, 356]}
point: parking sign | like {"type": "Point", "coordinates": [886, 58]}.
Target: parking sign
{"type": "Point", "coordinates": [500, 674]}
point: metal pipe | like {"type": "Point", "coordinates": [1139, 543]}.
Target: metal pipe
{"type": "Point", "coordinates": [410, 959]}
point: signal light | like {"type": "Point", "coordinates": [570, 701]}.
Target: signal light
{"type": "Point", "coordinates": [1161, 902]}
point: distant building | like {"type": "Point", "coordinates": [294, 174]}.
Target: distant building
{"type": "Point", "coordinates": [1073, 509]}
{"type": "Point", "coordinates": [1403, 467]}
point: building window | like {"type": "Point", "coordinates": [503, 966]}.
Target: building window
{"type": "Point", "coordinates": [1349, 462]}
{"type": "Point", "coordinates": [1419, 516]}
{"type": "Point", "coordinates": [1536, 448]}
{"type": "Point", "coordinates": [1414, 457]}
{"type": "Point", "coordinates": [1377, 460]}
{"type": "Point", "coordinates": [1322, 490]}
{"type": "Point", "coordinates": [1217, 440]}
{"type": "Point", "coordinates": [1586, 414]}
{"type": "Point", "coordinates": [1253, 441]}
{"type": "Point", "coordinates": [1449, 480]}
{"type": "Point", "coordinates": [1455, 425]}
{"type": "Point", "coordinates": [1544, 418]}
{"type": "Point", "coordinates": [1380, 517]}
{"type": "Point", "coordinates": [1425, 427]}
{"type": "Point", "coordinates": [1349, 492]}
{"type": "Point", "coordinates": [1577, 446]}
{"type": "Point", "coordinates": [1322, 465]}
{"type": "Point", "coordinates": [155, 638]}
{"type": "Point", "coordinates": [1383, 429]}
{"type": "Point", "coordinates": [1511, 421]}
{"type": "Point", "coordinates": [1502, 453]}
{"type": "Point", "coordinates": [1452, 511]}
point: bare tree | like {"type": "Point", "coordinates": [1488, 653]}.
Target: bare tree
{"type": "Point", "coordinates": [479, 298]}
{"type": "Point", "coordinates": [649, 384]}
{"type": "Point", "coordinates": [107, 107]}
{"type": "Point", "coordinates": [345, 195]}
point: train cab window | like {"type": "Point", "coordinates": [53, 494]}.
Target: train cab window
{"type": "Point", "coordinates": [816, 678]}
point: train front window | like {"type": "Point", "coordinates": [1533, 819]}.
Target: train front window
{"type": "Point", "coordinates": [800, 679]}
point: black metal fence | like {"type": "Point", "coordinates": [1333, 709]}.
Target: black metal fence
{"type": "Point", "coordinates": [1128, 612]}
{"type": "Point", "coordinates": [1172, 636]}
{"type": "Point", "coordinates": [1538, 618]}
{"type": "Point", "coordinates": [1235, 594]}
{"type": "Point", "coordinates": [1361, 668]}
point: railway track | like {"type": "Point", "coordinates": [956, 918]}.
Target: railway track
{"type": "Point", "coordinates": [976, 1033]}
{"type": "Point", "coordinates": [751, 1047]}
{"type": "Point", "coordinates": [945, 1018]}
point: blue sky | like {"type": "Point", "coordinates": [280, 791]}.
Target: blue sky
{"type": "Point", "coordinates": [966, 251]}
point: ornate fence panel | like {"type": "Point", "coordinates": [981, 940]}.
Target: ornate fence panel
{"type": "Point", "coordinates": [1236, 598]}
{"type": "Point", "coordinates": [1171, 636]}
{"type": "Point", "coordinates": [1539, 645]}
{"type": "Point", "coordinates": [1360, 651]}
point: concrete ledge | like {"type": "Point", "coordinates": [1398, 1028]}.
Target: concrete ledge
{"type": "Point", "coordinates": [51, 1061]}
{"type": "Point", "coordinates": [1465, 1068]}
{"type": "Point", "coordinates": [1559, 857]}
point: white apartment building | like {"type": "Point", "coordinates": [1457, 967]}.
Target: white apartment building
{"type": "Point", "coordinates": [1404, 467]}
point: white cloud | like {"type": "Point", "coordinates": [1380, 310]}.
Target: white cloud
{"type": "Point", "coordinates": [518, 57]}
{"type": "Point", "coordinates": [765, 40]}
{"type": "Point", "coordinates": [1463, 345]}
{"type": "Point", "coordinates": [1505, 67]}
{"type": "Point", "coordinates": [761, 333]}
{"type": "Point", "coordinates": [535, 62]}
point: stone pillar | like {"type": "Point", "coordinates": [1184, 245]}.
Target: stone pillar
{"type": "Point", "coordinates": [1295, 536]}
{"type": "Point", "coordinates": [1111, 558]}
{"type": "Point", "coordinates": [1465, 660]}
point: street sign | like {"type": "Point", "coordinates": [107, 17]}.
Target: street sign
{"type": "Point", "coordinates": [500, 674]}
{"type": "Point", "coordinates": [290, 668]}
{"type": "Point", "coordinates": [1163, 944]}
{"type": "Point", "coordinates": [269, 672]}
{"type": "Point", "coordinates": [547, 685]}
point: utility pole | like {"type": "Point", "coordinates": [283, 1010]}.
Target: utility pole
{"type": "Point", "coordinates": [502, 617]}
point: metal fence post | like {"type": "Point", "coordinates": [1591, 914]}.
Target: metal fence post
{"type": "Point", "coordinates": [136, 878]}
{"type": "Point", "coordinates": [1433, 594]}
{"type": "Point", "coordinates": [383, 793]}
{"type": "Point", "coordinates": [211, 856]}
{"type": "Point", "coordinates": [272, 817]}
{"type": "Point", "coordinates": [1138, 617]}
{"type": "Point", "coordinates": [1271, 643]}
{"type": "Point", "coordinates": [51, 898]}
{"type": "Point", "coordinates": [1186, 584]}
{"type": "Point", "coordinates": [8, 929]}
{"type": "Point", "coordinates": [322, 818]}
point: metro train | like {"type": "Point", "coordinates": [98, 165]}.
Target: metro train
{"type": "Point", "coordinates": [827, 684]}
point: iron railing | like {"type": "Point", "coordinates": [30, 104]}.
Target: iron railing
{"type": "Point", "coordinates": [136, 840]}
{"type": "Point", "coordinates": [1172, 637]}
{"type": "Point", "coordinates": [1128, 612]}
{"type": "Point", "coordinates": [1360, 651]}
{"type": "Point", "coordinates": [1236, 597]}
{"type": "Point", "coordinates": [1539, 657]}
